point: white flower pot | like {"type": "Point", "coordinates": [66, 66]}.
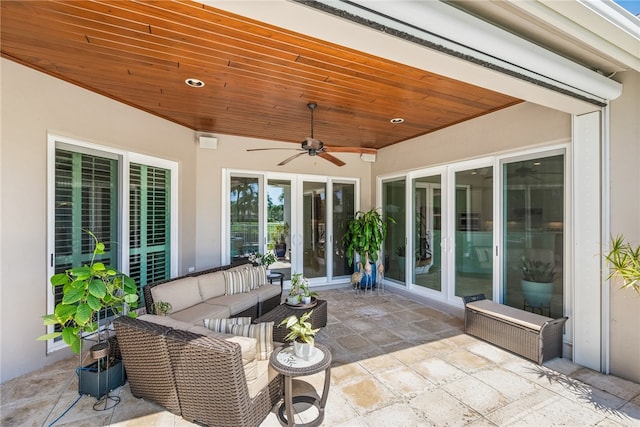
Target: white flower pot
{"type": "Point", "coordinates": [268, 271]}
{"type": "Point", "coordinates": [306, 300]}
{"type": "Point", "coordinates": [293, 299]}
{"type": "Point", "coordinates": [303, 350]}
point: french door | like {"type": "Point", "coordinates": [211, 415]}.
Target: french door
{"type": "Point", "coordinates": [300, 219]}
{"type": "Point", "coordinates": [126, 200]}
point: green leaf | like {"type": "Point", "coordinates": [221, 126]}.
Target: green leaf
{"type": "Point", "coordinates": [59, 279]}
{"type": "Point", "coordinates": [73, 295]}
{"type": "Point", "coordinates": [47, 337]}
{"type": "Point", "coordinates": [49, 320]}
{"type": "Point", "coordinates": [81, 273]}
{"type": "Point", "coordinates": [83, 314]}
{"type": "Point", "coordinates": [94, 303]}
{"type": "Point", "coordinates": [97, 288]}
{"type": "Point", "coordinates": [64, 312]}
{"type": "Point", "coordinates": [131, 298]}
{"type": "Point", "coordinates": [98, 266]}
{"type": "Point", "coordinates": [70, 336]}
{"type": "Point", "coordinates": [99, 248]}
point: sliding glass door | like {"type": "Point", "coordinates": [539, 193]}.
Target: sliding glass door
{"type": "Point", "coordinates": [426, 261]}
{"type": "Point", "coordinates": [473, 231]}
{"type": "Point", "coordinates": [279, 224]}
{"type": "Point", "coordinates": [314, 229]}
{"type": "Point", "coordinates": [533, 237]}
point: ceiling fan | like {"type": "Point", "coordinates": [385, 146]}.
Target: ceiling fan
{"type": "Point", "coordinates": [315, 147]}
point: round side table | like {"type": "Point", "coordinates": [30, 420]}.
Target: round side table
{"type": "Point", "coordinates": [284, 361]}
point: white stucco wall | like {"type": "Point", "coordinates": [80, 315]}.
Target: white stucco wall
{"type": "Point", "coordinates": [625, 220]}
{"type": "Point", "coordinates": [34, 104]}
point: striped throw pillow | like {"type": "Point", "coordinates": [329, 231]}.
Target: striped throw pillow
{"type": "Point", "coordinates": [262, 332]}
{"type": "Point", "coordinates": [235, 282]}
{"type": "Point", "coordinates": [257, 276]}
{"type": "Point", "coordinates": [224, 325]}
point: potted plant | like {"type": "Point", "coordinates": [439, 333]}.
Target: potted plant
{"type": "Point", "coordinates": [306, 293]}
{"type": "Point", "coordinates": [365, 235]}
{"type": "Point", "coordinates": [162, 308]}
{"type": "Point", "coordinates": [295, 295]}
{"type": "Point", "coordinates": [624, 262]}
{"type": "Point", "coordinates": [88, 291]}
{"type": "Point", "coordinates": [301, 333]}
{"type": "Point", "coordinates": [280, 233]}
{"type": "Point", "coordinates": [537, 282]}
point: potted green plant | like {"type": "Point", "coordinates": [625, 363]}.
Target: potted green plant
{"type": "Point", "coordinates": [87, 292]}
{"type": "Point", "coordinates": [294, 296]}
{"type": "Point", "coordinates": [301, 333]}
{"type": "Point", "coordinates": [364, 236]}
{"type": "Point", "coordinates": [624, 262]}
{"type": "Point", "coordinates": [162, 308]}
{"type": "Point", "coordinates": [280, 233]}
{"type": "Point", "coordinates": [306, 292]}
{"type": "Point", "coordinates": [537, 282]}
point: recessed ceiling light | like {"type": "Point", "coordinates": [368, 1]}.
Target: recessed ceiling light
{"type": "Point", "coordinates": [397, 120]}
{"type": "Point", "coordinates": [194, 82]}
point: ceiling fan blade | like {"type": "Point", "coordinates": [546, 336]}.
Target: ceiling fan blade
{"type": "Point", "coordinates": [336, 161]}
{"type": "Point", "coordinates": [269, 149]}
{"type": "Point", "coordinates": [359, 150]}
{"type": "Point", "coordinates": [287, 160]}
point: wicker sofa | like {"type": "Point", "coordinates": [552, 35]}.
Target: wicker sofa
{"type": "Point", "coordinates": [204, 295]}
{"type": "Point", "coordinates": [206, 377]}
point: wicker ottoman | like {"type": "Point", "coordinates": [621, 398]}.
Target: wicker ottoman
{"type": "Point", "coordinates": [318, 317]}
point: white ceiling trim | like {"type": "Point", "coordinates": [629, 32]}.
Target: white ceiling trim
{"type": "Point", "coordinates": [324, 26]}
{"type": "Point", "coordinates": [441, 24]}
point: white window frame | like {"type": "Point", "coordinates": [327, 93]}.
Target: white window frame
{"type": "Point", "coordinates": [124, 158]}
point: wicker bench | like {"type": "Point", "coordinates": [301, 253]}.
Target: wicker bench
{"type": "Point", "coordinates": [535, 337]}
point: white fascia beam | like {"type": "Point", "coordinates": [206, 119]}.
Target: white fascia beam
{"type": "Point", "coordinates": [603, 25]}
{"type": "Point", "coordinates": [456, 30]}
{"type": "Point", "coordinates": [296, 17]}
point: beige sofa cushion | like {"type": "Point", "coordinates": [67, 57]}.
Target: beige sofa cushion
{"type": "Point", "coordinates": [265, 292]}
{"type": "Point", "coordinates": [235, 282]}
{"type": "Point", "coordinates": [197, 313]}
{"type": "Point", "coordinates": [256, 276]}
{"type": "Point", "coordinates": [181, 293]}
{"type": "Point", "coordinates": [262, 332]}
{"type": "Point", "coordinates": [211, 285]}
{"type": "Point", "coordinates": [236, 303]}
{"type": "Point", "coordinates": [224, 325]}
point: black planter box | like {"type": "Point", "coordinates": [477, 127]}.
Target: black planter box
{"type": "Point", "coordinates": [97, 384]}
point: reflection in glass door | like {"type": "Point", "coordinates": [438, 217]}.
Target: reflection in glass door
{"type": "Point", "coordinates": [427, 226]}
{"type": "Point", "coordinates": [533, 218]}
{"type": "Point", "coordinates": [279, 224]}
{"type": "Point", "coordinates": [393, 205]}
{"type": "Point", "coordinates": [244, 216]}
{"type": "Point", "coordinates": [314, 229]}
{"type": "Point", "coordinates": [344, 196]}
{"type": "Point", "coordinates": [473, 229]}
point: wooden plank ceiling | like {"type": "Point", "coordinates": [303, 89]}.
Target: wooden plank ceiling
{"type": "Point", "coordinates": [258, 78]}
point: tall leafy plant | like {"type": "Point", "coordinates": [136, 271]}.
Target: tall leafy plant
{"type": "Point", "coordinates": [365, 235]}
{"type": "Point", "coordinates": [87, 290]}
{"type": "Point", "coordinates": [624, 261]}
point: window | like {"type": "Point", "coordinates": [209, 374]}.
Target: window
{"type": "Point", "coordinates": [90, 191]}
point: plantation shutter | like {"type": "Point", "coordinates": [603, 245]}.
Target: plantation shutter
{"type": "Point", "coordinates": [86, 198]}
{"type": "Point", "coordinates": [149, 224]}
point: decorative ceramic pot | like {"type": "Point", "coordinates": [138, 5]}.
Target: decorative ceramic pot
{"type": "Point", "coordinates": [303, 350]}
{"type": "Point", "coordinates": [306, 300]}
{"type": "Point", "coordinates": [293, 299]}
{"type": "Point", "coordinates": [537, 294]}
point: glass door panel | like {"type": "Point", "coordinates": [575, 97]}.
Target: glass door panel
{"type": "Point", "coordinates": [473, 229]}
{"type": "Point", "coordinates": [278, 224]}
{"type": "Point", "coordinates": [314, 229]}
{"type": "Point", "coordinates": [533, 219]}
{"type": "Point", "coordinates": [393, 205]}
{"type": "Point", "coordinates": [427, 226]}
{"type": "Point", "coordinates": [344, 196]}
{"type": "Point", "coordinates": [244, 213]}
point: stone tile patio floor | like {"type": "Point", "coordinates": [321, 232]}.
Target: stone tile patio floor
{"type": "Point", "coordinates": [397, 361]}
